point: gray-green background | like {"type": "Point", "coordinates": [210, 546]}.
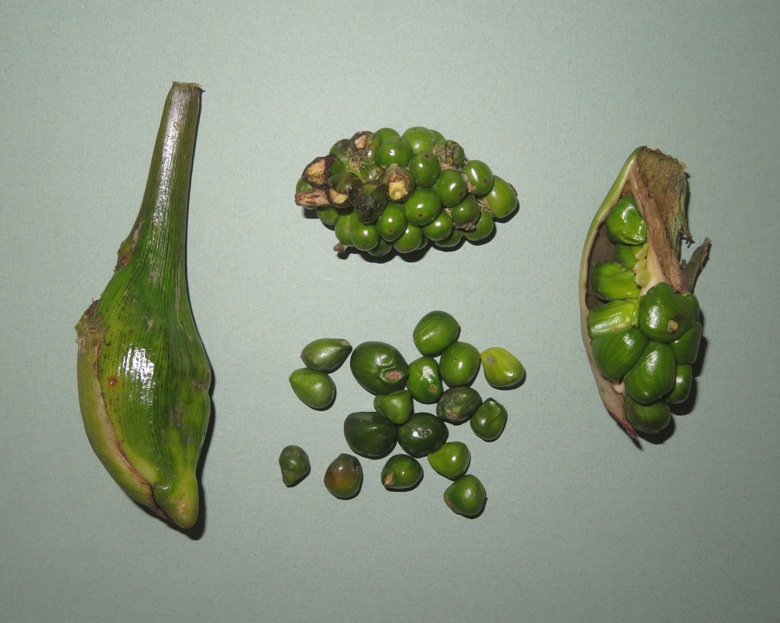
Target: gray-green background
{"type": "Point", "coordinates": [580, 524]}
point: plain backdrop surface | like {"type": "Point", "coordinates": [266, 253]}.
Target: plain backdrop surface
{"type": "Point", "coordinates": [580, 524]}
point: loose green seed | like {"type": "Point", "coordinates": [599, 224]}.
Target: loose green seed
{"type": "Point", "coordinates": [396, 406]}
{"type": "Point", "coordinates": [344, 477]}
{"type": "Point", "coordinates": [424, 382]}
{"type": "Point", "coordinates": [369, 434]}
{"type": "Point", "coordinates": [501, 368]}
{"type": "Point", "coordinates": [401, 473]}
{"type": "Point", "coordinates": [314, 388]}
{"type": "Point", "coordinates": [451, 460]}
{"type": "Point", "coordinates": [422, 434]}
{"type": "Point", "coordinates": [459, 364]}
{"type": "Point", "coordinates": [294, 463]}
{"type": "Point", "coordinates": [489, 420]}
{"type": "Point", "coordinates": [625, 224]}
{"type": "Point", "coordinates": [435, 331]}
{"type": "Point", "coordinates": [378, 367]}
{"type": "Point", "coordinates": [466, 496]}
{"type": "Point", "coordinates": [458, 404]}
{"type": "Point", "coordinates": [326, 354]}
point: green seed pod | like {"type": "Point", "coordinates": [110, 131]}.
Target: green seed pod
{"type": "Point", "coordinates": [459, 364]}
{"type": "Point", "coordinates": [612, 316]}
{"type": "Point", "coordinates": [451, 460]}
{"type": "Point", "coordinates": [649, 419]}
{"type": "Point", "coordinates": [422, 434]}
{"type": "Point", "coordinates": [420, 138]}
{"type": "Point", "coordinates": [612, 281]}
{"type": "Point", "coordinates": [449, 153]}
{"type": "Point", "coordinates": [435, 331]}
{"type": "Point", "coordinates": [424, 382]}
{"type": "Point", "coordinates": [479, 177]}
{"type": "Point", "coordinates": [686, 347]}
{"type": "Point", "coordinates": [315, 389]}
{"type": "Point", "coordinates": [392, 222]}
{"type": "Point", "coordinates": [344, 477]}
{"type": "Point", "coordinates": [326, 354]}
{"type": "Point", "coordinates": [400, 182]}
{"type": "Point", "coordinates": [645, 237]}
{"type": "Point", "coordinates": [143, 374]}
{"type": "Point", "coordinates": [378, 367]}
{"type": "Point", "coordinates": [665, 315]}
{"type": "Point", "coordinates": [683, 383]}
{"type": "Point", "coordinates": [502, 199]}
{"type": "Point", "coordinates": [401, 473]}
{"type": "Point", "coordinates": [489, 420]}
{"type": "Point", "coordinates": [396, 406]}
{"type": "Point", "coordinates": [369, 434]}
{"type": "Point", "coordinates": [617, 352]}
{"type": "Point", "coordinates": [653, 375]}
{"type": "Point", "coordinates": [501, 368]}
{"type": "Point", "coordinates": [466, 496]}
{"type": "Point", "coordinates": [458, 404]}
{"type": "Point", "coordinates": [294, 463]}
{"type": "Point", "coordinates": [625, 224]}
{"type": "Point", "coordinates": [484, 227]}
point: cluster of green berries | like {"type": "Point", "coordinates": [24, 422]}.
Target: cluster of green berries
{"type": "Point", "coordinates": [645, 335]}
{"type": "Point", "coordinates": [441, 378]}
{"type": "Point", "coordinates": [383, 192]}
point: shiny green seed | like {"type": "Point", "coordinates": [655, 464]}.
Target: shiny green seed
{"type": "Point", "coordinates": [484, 227]}
{"type": "Point", "coordinates": [502, 199]}
{"type": "Point", "coordinates": [424, 382]}
{"type": "Point", "coordinates": [391, 224]}
{"type": "Point", "coordinates": [439, 228]}
{"type": "Point", "coordinates": [343, 226]}
{"type": "Point", "coordinates": [650, 419]}
{"type": "Point", "coordinates": [396, 406]}
{"type": "Point", "coordinates": [451, 241]}
{"type": "Point", "coordinates": [294, 463]}
{"type": "Point", "coordinates": [369, 434]}
{"type": "Point", "coordinates": [411, 240]}
{"type": "Point", "coordinates": [435, 331]}
{"type": "Point", "coordinates": [401, 473]}
{"type": "Point", "coordinates": [665, 315]}
{"type": "Point", "coordinates": [654, 374]}
{"type": "Point", "coordinates": [422, 434]}
{"type": "Point", "coordinates": [686, 347]}
{"type": "Point", "coordinates": [612, 316]}
{"type": "Point", "coordinates": [451, 460]}
{"type": "Point", "coordinates": [420, 138]}
{"type": "Point", "coordinates": [314, 388]}
{"type": "Point", "coordinates": [617, 352]}
{"type": "Point", "coordinates": [466, 496]}
{"type": "Point", "coordinates": [328, 215]}
{"type": "Point", "coordinates": [465, 212]}
{"type": "Point", "coordinates": [344, 477]}
{"type": "Point", "coordinates": [683, 383]}
{"type": "Point", "coordinates": [624, 223]}
{"type": "Point", "coordinates": [501, 368]}
{"type": "Point", "coordinates": [459, 364]}
{"type": "Point", "coordinates": [628, 255]}
{"type": "Point", "coordinates": [489, 420]}
{"type": "Point", "coordinates": [479, 177]}
{"type": "Point", "coordinates": [326, 354]}
{"type": "Point", "coordinates": [425, 168]}
{"type": "Point", "coordinates": [458, 404]}
{"type": "Point", "coordinates": [612, 281]}
{"type": "Point", "coordinates": [450, 187]}
{"type": "Point", "coordinates": [378, 367]}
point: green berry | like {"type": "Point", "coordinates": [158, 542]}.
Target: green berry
{"type": "Point", "coordinates": [466, 496]}
{"type": "Point", "coordinates": [501, 368]}
{"type": "Point", "coordinates": [459, 364]}
{"type": "Point", "coordinates": [489, 420]}
{"type": "Point", "coordinates": [396, 406]}
{"type": "Point", "coordinates": [479, 177]}
{"type": "Point", "coordinates": [425, 168]}
{"type": "Point", "coordinates": [395, 150]}
{"type": "Point", "coordinates": [502, 198]}
{"type": "Point", "coordinates": [314, 388]}
{"type": "Point", "coordinates": [344, 477]}
{"type": "Point", "coordinates": [451, 460]}
{"type": "Point", "coordinates": [421, 139]}
{"type": "Point", "coordinates": [422, 207]}
{"type": "Point", "coordinates": [369, 434]}
{"type": "Point", "coordinates": [435, 331]}
{"type": "Point", "coordinates": [378, 367]}
{"type": "Point", "coordinates": [451, 187]}
{"type": "Point", "coordinates": [294, 463]}
{"type": "Point", "coordinates": [401, 472]}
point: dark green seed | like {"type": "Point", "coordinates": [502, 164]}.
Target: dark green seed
{"type": "Point", "coordinates": [401, 472]}
{"type": "Point", "coordinates": [479, 177]}
{"type": "Point", "coordinates": [459, 364]}
{"type": "Point", "coordinates": [489, 420]}
{"type": "Point", "coordinates": [396, 406]}
{"type": "Point", "coordinates": [466, 496]}
{"type": "Point", "coordinates": [435, 331]}
{"type": "Point", "coordinates": [344, 477]}
{"type": "Point", "coordinates": [450, 187]}
{"type": "Point", "coordinates": [378, 367]}
{"type": "Point", "coordinates": [294, 463]}
{"type": "Point", "coordinates": [422, 434]}
{"type": "Point", "coordinates": [326, 354]}
{"type": "Point", "coordinates": [369, 434]}
{"type": "Point", "coordinates": [314, 388]}
{"type": "Point", "coordinates": [458, 404]}
{"type": "Point", "coordinates": [424, 382]}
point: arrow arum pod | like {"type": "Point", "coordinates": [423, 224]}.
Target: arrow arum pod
{"type": "Point", "coordinates": [640, 227]}
{"type": "Point", "coordinates": [143, 374]}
